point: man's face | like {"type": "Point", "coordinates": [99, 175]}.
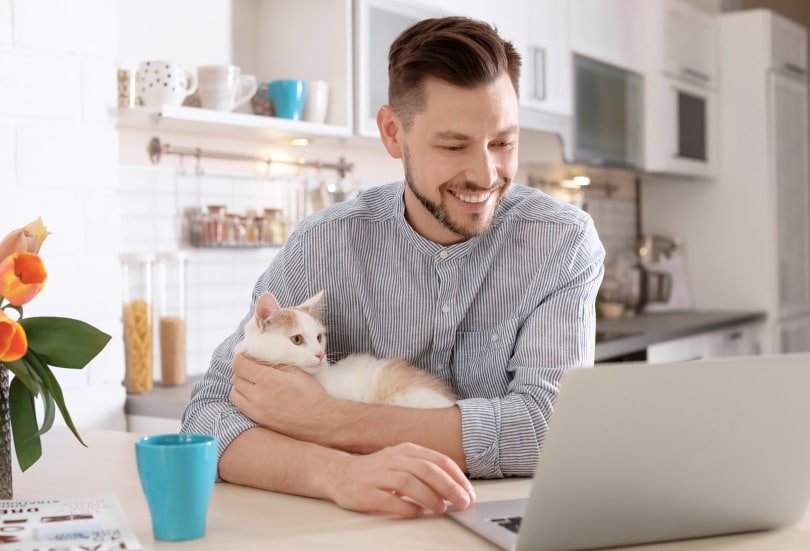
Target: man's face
{"type": "Point", "coordinates": [459, 157]}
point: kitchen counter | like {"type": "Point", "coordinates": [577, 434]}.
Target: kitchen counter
{"type": "Point", "coordinates": [624, 336]}
{"type": "Point", "coordinates": [629, 335]}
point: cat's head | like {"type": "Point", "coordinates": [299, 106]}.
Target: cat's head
{"type": "Point", "coordinates": [293, 336]}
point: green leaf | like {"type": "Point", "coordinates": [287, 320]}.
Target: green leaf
{"type": "Point", "coordinates": [24, 424]}
{"type": "Point", "coordinates": [52, 387]}
{"type": "Point", "coordinates": [23, 371]}
{"type": "Point", "coordinates": [49, 414]}
{"type": "Point", "coordinates": [64, 342]}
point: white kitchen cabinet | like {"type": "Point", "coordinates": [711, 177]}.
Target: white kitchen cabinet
{"type": "Point", "coordinates": [736, 340]}
{"type": "Point", "coordinates": [682, 41]}
{"type": "Point", "coordinates": [788, 137]}
{"type": "Point", "coordinates": [684, 349]}
{"type": "Point", "coordinates": [609, 31]}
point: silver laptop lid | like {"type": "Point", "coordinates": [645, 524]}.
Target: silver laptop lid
{"type": "Point", "coordinates": [641, 453]}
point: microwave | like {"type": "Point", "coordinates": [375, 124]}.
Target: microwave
{"type": "Point", "coordinates": [608, 113]}
{"type": "Point", "coordinates": [679, 115]}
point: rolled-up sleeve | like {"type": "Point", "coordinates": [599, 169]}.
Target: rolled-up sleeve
{"type": "Point", "coordinates": [504, 436]}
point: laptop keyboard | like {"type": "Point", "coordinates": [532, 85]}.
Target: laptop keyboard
{"type": "Point", "coordinates": [510, 523]}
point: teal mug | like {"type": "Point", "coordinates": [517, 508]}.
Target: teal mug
{"type": "Point", "coordinates": [289, 97]}
{"type": "Point", "coordinates": [177, 473]}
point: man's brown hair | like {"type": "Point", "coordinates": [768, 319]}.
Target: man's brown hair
{"type": "Point", "coordinates": [458, 50]}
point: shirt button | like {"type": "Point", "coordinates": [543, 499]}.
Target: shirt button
{"type": "Point", "coordinates": [443, 255]}
{"type": "Point", "coordinates": [494, 337]}
{"type": "Point", "coordinates": [445, 308]}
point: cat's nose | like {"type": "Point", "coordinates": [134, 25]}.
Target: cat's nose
{"type": "Point", "coordinates": [319, 355]}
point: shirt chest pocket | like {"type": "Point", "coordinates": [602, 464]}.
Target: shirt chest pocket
{"type": "Point", "coordinates": [480, 359]}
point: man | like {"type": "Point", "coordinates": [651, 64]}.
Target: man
{"type": "Point", "coordinates": [488, 286]}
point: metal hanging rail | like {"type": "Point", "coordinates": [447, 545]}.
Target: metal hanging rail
{"type": "Point", "coordinates": [156, 149]}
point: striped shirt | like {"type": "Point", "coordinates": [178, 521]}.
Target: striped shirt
{"type": "Point", "coordinates": [499, 318]}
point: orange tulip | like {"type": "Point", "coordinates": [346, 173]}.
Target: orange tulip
{"type": "Point", "coordinates": [22, 277]}
{"type": "Point", "coordinates": [13, 342]}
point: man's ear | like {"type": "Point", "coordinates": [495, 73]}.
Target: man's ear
{"type": "Point", "coordinates": [390, 131]}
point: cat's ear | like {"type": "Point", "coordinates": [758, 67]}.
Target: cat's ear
{"type": "Point", "coordinates": [267, 307]}
{"type": "Point", "coordinates": [313, 306]}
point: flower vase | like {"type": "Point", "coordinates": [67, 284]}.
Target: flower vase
{"type": "Point", "coordinates": [6, 489]}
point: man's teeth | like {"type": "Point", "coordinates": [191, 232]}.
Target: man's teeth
{"type": "Point", "coordinates": [473, 198]}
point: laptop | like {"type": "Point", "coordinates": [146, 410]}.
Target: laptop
{"type": "Point", "coordinates": [642, 453]}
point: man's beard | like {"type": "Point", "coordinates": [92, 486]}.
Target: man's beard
{"type": "Point", "coordinates": [437, 210]}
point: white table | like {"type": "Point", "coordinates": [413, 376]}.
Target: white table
{"type": "Point", "coordinates": [245, 519]}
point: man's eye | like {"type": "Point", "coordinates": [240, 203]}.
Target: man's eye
{"type": "Point", "coordinates": [453, 147]}
{"type": "Point", "coordinates": [503, 145]}
{"type": "Point", "coordinates": [297, 339]}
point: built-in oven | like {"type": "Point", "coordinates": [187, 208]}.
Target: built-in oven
{"type": "Point", "coordinates": [679, 129]}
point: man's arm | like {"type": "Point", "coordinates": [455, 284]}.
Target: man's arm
{"type": "Point", "coordinates": [375, 483]}
{"type": "Point", "coordinates": [308, 413]}
{"type": "Point", "coordinates": [403, 480]}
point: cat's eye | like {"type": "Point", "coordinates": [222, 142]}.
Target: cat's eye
{"type": "Point", "coordinates": [320, 337]}
{"type": "Point", "coordinates": [297, 339]}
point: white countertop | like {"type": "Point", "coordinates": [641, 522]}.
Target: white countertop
{"type": "Point", "coordinates": [245, 519]}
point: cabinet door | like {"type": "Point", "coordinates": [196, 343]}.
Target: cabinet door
{"type": "Point", "coordinates": [742, 340]}
{"type": "Point", "coordinates": [378, 23]}
{"type": "Point", "coordinates": [678, 350]}
{"type": "Point", "coordinates": [789, 45]}
{"type": "Point", "coordinates": [547, 79]}
{"type": "Point", "coordinates": [606, 30]}
{"type": "Point", "coordinates": [788, 113]}
{"type": "Point", "coordinates": [690, 43]}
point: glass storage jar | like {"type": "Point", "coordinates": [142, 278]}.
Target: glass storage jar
{"type": "Point", "coordinates": [136, 317]}
{"type": "Point", "coordinates": [171, 275]}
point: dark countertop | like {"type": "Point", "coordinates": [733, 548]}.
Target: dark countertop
{"type": "Point", "coordinates": [642, 331]}
{"type": "Point", "coordinates": [648, 329]}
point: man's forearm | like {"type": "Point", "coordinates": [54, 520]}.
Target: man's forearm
{"type": "Point", "coordinates": [264, 459]}
{"type": "Point", "coordinates": [364, 428]}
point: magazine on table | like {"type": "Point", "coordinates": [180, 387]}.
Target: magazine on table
{"type": "Point", "coordinates": [66, 524]}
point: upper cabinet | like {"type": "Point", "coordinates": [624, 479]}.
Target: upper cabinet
{"type": "Point", "coordinates": [689, 46]}
{"type": "Point", "coordinates": [378, 23]}
{"type": "Point", "coordinates": [609, 31]}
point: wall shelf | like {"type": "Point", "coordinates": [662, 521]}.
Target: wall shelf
{"type": "Point", "coordinates": [174, 118]}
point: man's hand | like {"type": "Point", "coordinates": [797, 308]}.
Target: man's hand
{"type": "Point", "coordinates": [405, 480]}
{"type": "Point", "coordinates": [279, 397]}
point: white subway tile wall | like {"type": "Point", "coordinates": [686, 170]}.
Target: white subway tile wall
{"type": "Point", "coordinates": [219, 282]}
{"type": "Point", "coordinates": [59, 160]}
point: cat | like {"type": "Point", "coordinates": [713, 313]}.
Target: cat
{"type": "Point", "coordinates": [296, 336]}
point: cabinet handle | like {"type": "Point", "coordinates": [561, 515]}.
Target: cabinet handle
{"type": "Point", "coordinates": [795, 69]}
{"type": "Point", "coordinates": [695, 74]}
{"type": "Point", "coordinates": [735, 335]}
{"type": "Point", "coordinates": [539, 69]}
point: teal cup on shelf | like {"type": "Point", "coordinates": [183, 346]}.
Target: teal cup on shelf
{"type": "Point", "coordinates": [289, 97]}
{"type": "Point", "coordinates": [177, 473]}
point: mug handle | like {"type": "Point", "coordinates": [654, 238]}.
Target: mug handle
{"type": "Point", "coordinates": [191, 82]}
{"type": "Point", "coordinates": [247, 89]}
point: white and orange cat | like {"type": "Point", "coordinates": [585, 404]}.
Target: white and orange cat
{"type": "Point", "coordinates": [295, 336]}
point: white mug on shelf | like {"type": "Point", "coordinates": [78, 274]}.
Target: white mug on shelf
{"type": "Point", "coordinates": [317, 104]}
{"type": "Point", "coordinates": [163, 82]}
{"type": "Point", "coordinates": [224, 87]}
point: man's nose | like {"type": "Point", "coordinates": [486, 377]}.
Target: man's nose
{"type": "Point", "coordinates": [483, 168]}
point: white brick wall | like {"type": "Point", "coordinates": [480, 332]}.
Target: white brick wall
{"type": "Point", "coordinates": [59, 160]}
